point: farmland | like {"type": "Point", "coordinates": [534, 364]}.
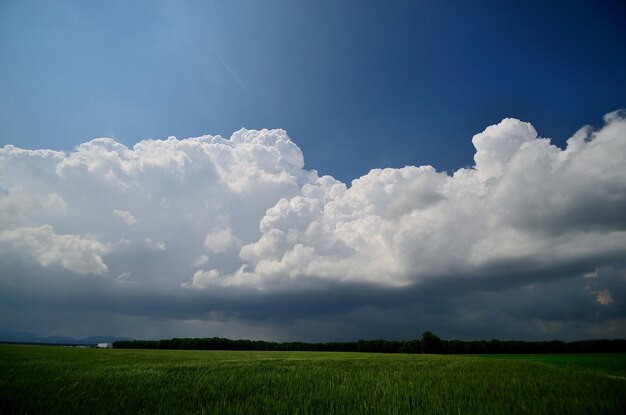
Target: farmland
{"type": "Point", "coordinates": [608, 364]}
{"type": "Point", "coordinates": [38, 379]}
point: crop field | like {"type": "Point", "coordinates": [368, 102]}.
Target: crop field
{"type": "Point", "coordinates": [608, 364]}
{"type": "Point", "coordinates": [63, 380]}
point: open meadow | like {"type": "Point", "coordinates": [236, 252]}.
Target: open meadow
{"type": "Point", "coordinates": [63, 380]}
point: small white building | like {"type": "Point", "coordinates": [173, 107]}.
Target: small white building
{"type": "Point", "coordinates": [105, 345]}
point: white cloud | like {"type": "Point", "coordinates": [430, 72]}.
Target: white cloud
{"type": "Point", "coordinates": [124, 276]}
{"type": "Point", "coordinates": [179, 189]}
{"type": "Point", "coordinates": [125, 216]}
{"type": "Point", "coordinates": [591, 274]}
{"type": "Point", "coordinates": [200, 260]}
{"type": "Point", "coordinates": [269, 224]}
{"type": "Point", "coordinates": [604, 297]}
{"type": "Point", "coordinates": [219, 241]}
{"type": "Point", "coordinates": [157, 245]}
{"type": "Point", "coordinates": [55, 204]}
{"type": "Point", "coordinates": [525, 200]}
{"type": "Point", "coordinates": [82, 255]}
{"type": "Point", "coordinates": [498, 144]}
{"type": "Point", "coordinates": [202, 279]}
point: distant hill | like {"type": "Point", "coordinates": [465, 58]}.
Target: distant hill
{"type": "Point", "coordinates": [26, 337]}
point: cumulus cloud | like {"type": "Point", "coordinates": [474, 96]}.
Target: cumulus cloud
{"type": "Point", "coordinates": [496, 146]}
{"type": "Point", "coordinates": [193, 196]}
{"type": "Point", "coordinates": [242, 214]}
{"type": "Point", "coordinates": [526, 202]}
{"type": "Point", "coordinates": [127, 217]}
{"type": "Point", "coordinates": [200, 261]}
{"type": "Point", "coordinates": [82, 255]}
{"type": "Point", "coordinates": [604, 297]}
{"type": "Point", "coordinates": [219, 241]}
{"type": "Point", "coordinates": [202, 279]}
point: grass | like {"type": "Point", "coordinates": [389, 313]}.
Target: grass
{"type": "Point", "coordinates": [37, 379]}
{"type": "Point", "coordinates": [611, 364]}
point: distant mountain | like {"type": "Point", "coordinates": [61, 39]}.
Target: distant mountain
{"type": "Point", "coordinates": [59, 339]}
{"type": "Point", "coordinates": [18, 336]}
{"type": "Point", "coordinates": [26, 337]}
{"type": "Point", "coordinates": [101, 339]}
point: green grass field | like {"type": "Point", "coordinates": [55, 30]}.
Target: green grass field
{"type": "Point", "coordinates": [38, 379]}
{"type": "Point", "coordinates": [608, 364]}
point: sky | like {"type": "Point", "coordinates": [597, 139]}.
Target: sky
{"type": "Point", "coordinates": [313, 170]}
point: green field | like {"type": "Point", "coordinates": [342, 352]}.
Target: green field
{"type": "Point", "coordinates": [608, 364]}
{"type": "Point", "coordinates": [39, 379]}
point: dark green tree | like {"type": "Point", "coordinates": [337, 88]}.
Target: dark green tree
{"type": "Point", "coordinates": [431, 343]}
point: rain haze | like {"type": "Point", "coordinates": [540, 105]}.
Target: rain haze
{"type": "Point", "coordinates": [315, 170]}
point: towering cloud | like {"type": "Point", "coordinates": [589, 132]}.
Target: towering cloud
{"type": "Point", "coordinates": [242, 215]}
{"type": "Point", "coordinates": [526, 203]}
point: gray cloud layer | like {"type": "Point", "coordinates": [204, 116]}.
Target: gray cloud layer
{"type": "Point", "coordinates": [214, 236]}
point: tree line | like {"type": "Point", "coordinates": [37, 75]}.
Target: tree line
{"type": "Point", "coordinates": [429, 343]}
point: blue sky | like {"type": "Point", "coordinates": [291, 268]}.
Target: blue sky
{"type": "Point", "coordinates": [509, 235]}
{"type": "Point", "coordinates": [357, 85]}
